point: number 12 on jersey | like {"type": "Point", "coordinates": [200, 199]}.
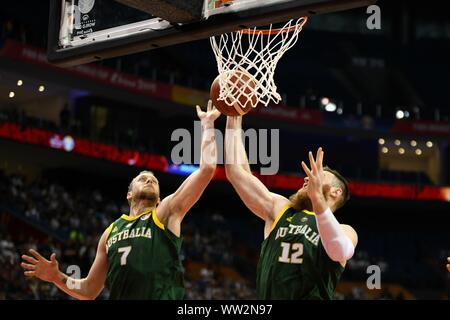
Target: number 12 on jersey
{"type": "Point", "coordinates": [291, 253]}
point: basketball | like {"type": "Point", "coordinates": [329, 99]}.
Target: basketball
{"type": "Point", "coordinates": [242, 97]}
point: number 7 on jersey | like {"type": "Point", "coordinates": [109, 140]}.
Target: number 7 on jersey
{"type": "Point", "coordinates": [125, 252]}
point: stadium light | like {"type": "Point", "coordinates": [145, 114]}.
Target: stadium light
{"type": "Point", "coordinates": [330, 107]}
{"type": "Point", "coordinates": [418, 152]}
{"type": "Point", "coordinates": [399, 114]}
{"type": "Point", "coordinates": [11, 94]}
{"type": "Point", "coordinates": [325, 101]}
{"type": "Point", "coordinates": [401, 151]}
{"type": "Point", "coordinates": [384, 150]}
{"type": "Point", "coordinates": [19, 83]}
{"type": "Point", "coordinates": [397, 142]}
{"type": "Point", "coordinates": [413, 143]}
{"type": "Point", "coordinates": [41, 88]}
{"type": "Point", "coordinates": [381, 141]}
{"type": "Point", "coordinates": [429, 144]}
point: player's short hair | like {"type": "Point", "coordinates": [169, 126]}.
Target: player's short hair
{"type": "Point", "coordinates": [144, 171]}
{"type": "Point", "coordinates": [342, 183]}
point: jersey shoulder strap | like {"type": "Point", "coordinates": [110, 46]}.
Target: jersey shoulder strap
{"type": "Point", "coordinates": [108, 231]}
{"type": "Point", "coordinates": [280, 215]}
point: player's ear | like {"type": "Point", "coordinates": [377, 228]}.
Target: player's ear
{"type": "Point", "coordinates": [335, 193]}
{"type": "Point", "coordinates": [129, 196]}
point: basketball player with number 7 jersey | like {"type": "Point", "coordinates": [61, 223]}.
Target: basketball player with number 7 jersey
{"type": "Point", "coordinates": [305, 248]}
{"type": "Point", "coordinates": [138, 256]}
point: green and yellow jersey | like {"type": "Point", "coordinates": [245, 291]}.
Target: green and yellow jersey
{"type": "Point", "coordinates": [144, 259]}
{"type": "Point", "coordinates": [293, 263]}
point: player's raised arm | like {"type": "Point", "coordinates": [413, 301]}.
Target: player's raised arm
{"type": "Point", "coordinates": [84, 289]}
{"type": "Point", "coordinates": [174, 207]}
{"type": "Point", "coordinates": [251, 190]}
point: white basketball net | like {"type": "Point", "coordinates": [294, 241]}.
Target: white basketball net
{"type": "Point", "coordinates": [256, 62]}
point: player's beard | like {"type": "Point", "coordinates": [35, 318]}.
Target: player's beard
{"type": "Point", "coordinates": [301, 201]}
{"type": "Point", "coordinates": [151, 197]}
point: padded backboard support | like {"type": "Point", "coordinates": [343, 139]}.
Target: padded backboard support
{"type": "Point", "coordinates": [175, 11]}
{"type": "Point", "coordinates": [93, 36]}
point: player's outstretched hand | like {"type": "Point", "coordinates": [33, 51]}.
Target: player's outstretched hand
{"type": "Point", "coordinates": [315, 174]}
{"type": "Point", "coordinates": [209, 116]}
{"type": "Point", "coordinates": [39, 267]}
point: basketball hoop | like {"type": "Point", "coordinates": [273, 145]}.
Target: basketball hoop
{"type": "Point", "coordinates": [254, 53]}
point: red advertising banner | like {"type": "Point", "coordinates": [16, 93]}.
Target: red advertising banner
{"type": "Point", "coordinates": [106, 76]}
{"type": "Point", "coordinates": [83, 147]}
{"type": "Point", "coordinates": [399, 191]}
{"type": "Point", "coordinates": [422, 127]}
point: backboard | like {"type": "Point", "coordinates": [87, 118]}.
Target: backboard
{"type": "Point", "coordinates": [82, 31]}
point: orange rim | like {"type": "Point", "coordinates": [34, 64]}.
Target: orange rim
{"type": "Point", "coordinates": [275, 31]}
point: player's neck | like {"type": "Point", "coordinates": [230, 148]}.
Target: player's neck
{"type": "Point", "coordinates": [140, 207]}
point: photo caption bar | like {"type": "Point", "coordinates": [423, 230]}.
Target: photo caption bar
{"type": "Point", "coordinates": [224, 309]}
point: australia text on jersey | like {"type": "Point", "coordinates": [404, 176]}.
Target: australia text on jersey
{"type": "Point", "coordinates": [305, 230]}
{"type": "Point", "coordinates": [127, 234]}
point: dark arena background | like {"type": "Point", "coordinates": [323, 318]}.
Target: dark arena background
{"type": "Point", "coordinates": [376, 99]}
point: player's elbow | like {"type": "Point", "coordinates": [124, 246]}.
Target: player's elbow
{"type": "Point", "coordinates": [340, 250]}
{"type": "Point", "coordinates": [93, 293]}
{"type": "Point", "coordinates": [89, 289]}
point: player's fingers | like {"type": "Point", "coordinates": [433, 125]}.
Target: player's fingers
{"type": "Point", "coordinates": [29, 273]}
{"type": "Point", "coordinates": [53, 258]}
{"type": "Point", "coordinates": [199, 111]}
{"type": "Point", "coordinates": [209, 108]}
{"type": "Point", "coordinates": [448, 267]}
{"type": "Point", "coordinates": [312, 163]}
{"type": "Point", "coordinates": [28, 266]}
{"type": "Point", "coordinates": [29, 259]}
{"type": "Point", "coordinates": [306, 169]}
{"type": "Point", "coordinates": [36, 254]}
{"type": "Point", "coordinates": [319, 158]}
